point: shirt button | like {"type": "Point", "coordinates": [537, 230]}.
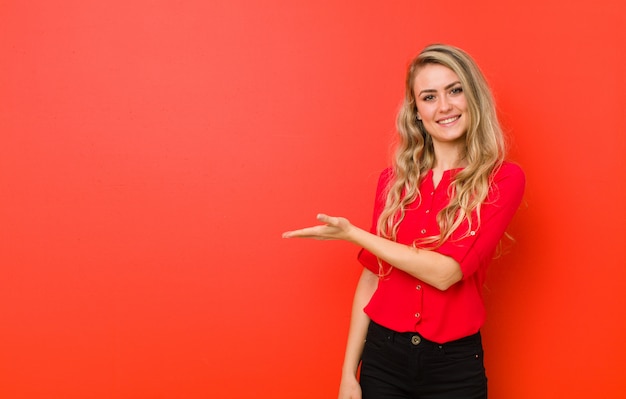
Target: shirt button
{"type": "Point", "coordinates": [472, 233]}
{"type": "Point", "coordinates": [418, 315]}
{"type": "Point", "coordinates": [423, 231]}
{"type": "Point", "coordinates": [419, 287]}
{"type": "Point", "coordinates": [427, 210]}
{"type": "Point", "coordinates": [432, 193]}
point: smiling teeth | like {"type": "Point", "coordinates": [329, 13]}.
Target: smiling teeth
{"type": "Point", "coordinates": [444, 121]}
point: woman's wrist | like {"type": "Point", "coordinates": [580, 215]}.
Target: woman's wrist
{"type": "Point", "coordinates": [349, 370]}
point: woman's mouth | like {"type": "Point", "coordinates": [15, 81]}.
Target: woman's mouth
{"type": "Point", "coordinates": [448, 120]}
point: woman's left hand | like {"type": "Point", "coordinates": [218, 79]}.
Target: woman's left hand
{"type": "Point", "coordinates": [334, 228]}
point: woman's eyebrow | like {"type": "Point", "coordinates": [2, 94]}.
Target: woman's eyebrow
{"type": "Point", "coordinates": [451, 85]}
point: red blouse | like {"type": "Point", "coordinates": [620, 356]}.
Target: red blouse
{"type": "Point", "coordinates": [404, 303]}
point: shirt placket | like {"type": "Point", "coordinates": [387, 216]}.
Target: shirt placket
{"type": "Point", "coordinates": [427, 214]}
{"type": "Point", "coordinates": [427, 228]}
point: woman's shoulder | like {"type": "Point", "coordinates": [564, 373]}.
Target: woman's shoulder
{"type": "Point", "coordinates": [386, 175]}
{"type": "Point", "coordinates": [509, 178]}
{"type": "Point", "coordinates": [509, 169]}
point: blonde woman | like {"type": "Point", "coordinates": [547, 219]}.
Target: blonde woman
{"type": "Point", "coordinates": [439, 215]}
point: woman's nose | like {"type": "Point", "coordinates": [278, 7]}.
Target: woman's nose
{"type": "Point", "coordinates": [444, 104]}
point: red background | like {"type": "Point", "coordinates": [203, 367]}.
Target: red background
{"type": "Point", "coordinates": [152, 152]}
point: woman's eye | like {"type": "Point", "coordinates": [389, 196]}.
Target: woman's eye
{"type": "Point", "coordinates": [457, 90]}
{"type": "Point", "coordinates": [428, 98]}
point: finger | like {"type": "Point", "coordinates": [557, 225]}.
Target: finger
{"type": "Point", "coordinates": [303, 233]}
{"type": "Point", "coordinates": [325, 218]}
{"type": "Point", "coordinates": [294, 233]}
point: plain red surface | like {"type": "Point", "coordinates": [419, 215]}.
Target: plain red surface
{"type": "Point", "coordinates": [151, 153]}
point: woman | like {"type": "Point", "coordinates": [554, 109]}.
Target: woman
{"type": "Point", "coordinates": [440, 213]}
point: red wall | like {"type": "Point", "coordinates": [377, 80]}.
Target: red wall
{"type": "Point", "coordinates": [152, 152]}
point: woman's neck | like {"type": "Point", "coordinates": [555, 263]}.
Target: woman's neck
{"type": "Point", "coordinates": [448, 157]}
{"type": "Point", "coordinates": [447, 160]}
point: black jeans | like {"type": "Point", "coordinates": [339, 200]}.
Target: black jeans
{"type": "Point", "coordinates": [407, 366]}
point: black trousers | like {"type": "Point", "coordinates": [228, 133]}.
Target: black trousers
{"type": "Point", "coordinates": [407, 366]}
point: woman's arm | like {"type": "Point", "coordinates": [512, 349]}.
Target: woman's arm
{"type": "Point", "coordinates": [433, 268]}
{"type": "Point", "coordinates": [349, 387]}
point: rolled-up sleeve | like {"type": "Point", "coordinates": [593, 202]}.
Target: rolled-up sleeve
{"type": "Point", "coordinates": [366, 258]}
{"type": "Point", "coordinates": [474, 248]}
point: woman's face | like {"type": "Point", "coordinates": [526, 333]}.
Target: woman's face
{"type": "Point", "coordinates": [441, 104]}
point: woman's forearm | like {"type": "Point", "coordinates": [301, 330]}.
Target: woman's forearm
{"type": "Point", "coordinates": [359, 321]}
{"type": "Point", "coordinates": [433, 268]}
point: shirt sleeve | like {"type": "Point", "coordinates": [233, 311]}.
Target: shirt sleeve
{"type": "Point", "coordinates": [476, 249]}
{"type": "Point", "coordinates": [366, 258]}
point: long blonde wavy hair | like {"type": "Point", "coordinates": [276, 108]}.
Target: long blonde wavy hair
{"type": "Point", "coordinates": [415, 156]}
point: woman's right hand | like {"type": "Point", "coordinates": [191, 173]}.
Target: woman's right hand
{"type": "Point", "coordinates": [349, 388]}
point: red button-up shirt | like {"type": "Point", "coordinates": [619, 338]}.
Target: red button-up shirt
{"type": "Point", "coordinates": [404, 303]}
